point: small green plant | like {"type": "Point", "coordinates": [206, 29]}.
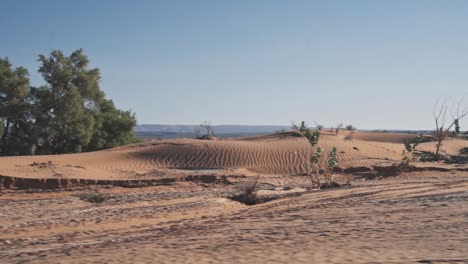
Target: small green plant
{"type": "Point", "coordinates": [332, 159]}
{"type": "Point", "coordinates": [312, 137]}
{"type": "Point", "coordinates": [410, 146]}
{"type": "Point", "coordinates": [303, 127]}
{"type": "Point", "coordinates": [329, 174]}
{"type": "Point", "coordinates": [315, 169]}
{"type": "Point", "coordinates": [317, 156]}
{"type": "Point", "coordinates": [407, 154]}
{"type": "Point", "coordinates": [92, 196]}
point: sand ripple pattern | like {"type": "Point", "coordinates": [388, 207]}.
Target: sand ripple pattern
{"type": "Point", "coordinates": [276, 157]}
{"type": "Point", "coordinates": [280, 154]}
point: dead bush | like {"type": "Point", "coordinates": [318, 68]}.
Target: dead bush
{"type": "Point", "coordinates": [92, 196]}
{"type": "Point", "coordinates": [248, 195]}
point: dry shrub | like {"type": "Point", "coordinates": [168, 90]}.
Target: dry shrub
{"type": "Point", "coordinates": [92, 196]}
{"type": "Point", "coordinates": [248, 195]}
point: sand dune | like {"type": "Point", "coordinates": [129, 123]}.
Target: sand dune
{"type": "Point", "coordinates": [414, 217]}
{"type": "Point", "coordinates": [380, 137]}
{"type": "Point", "coordinates": [284, 154]}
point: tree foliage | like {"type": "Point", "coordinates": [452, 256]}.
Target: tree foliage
{"type": "Point", "coordinates": [113, 127]}
{"type": "Point", "coordinates": [68, 114]}
{"type": "Point", "coordinates": [14, 107]}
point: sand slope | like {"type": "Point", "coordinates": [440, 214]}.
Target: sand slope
{"type": "Point", "coordinates": [285, 153]}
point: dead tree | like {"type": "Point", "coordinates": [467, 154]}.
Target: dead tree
{"type": "Point", "coordinates": [318, 126]}
{"type": "Point", "coordinates": [338, 127]}
{"type": "Point", "coordinates": [294, 126]}
{"type": "Point", "coordinates": [442, 127]}
{"type": "Point", "coordinates": [197, 132]}
{"type": "Point", "coordinates": [209, 130]}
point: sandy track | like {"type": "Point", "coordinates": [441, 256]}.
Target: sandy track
{"type": "Point", "coordinates": [394, 220]}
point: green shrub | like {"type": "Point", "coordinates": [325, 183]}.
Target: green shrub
{"type": "Point", "coordinates": [316, 170]}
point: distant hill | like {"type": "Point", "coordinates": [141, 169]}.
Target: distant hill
{"type": "Point", "coordinates": [229, 129]}
{"type": "Point", "coordinates": [148, 131]}
{"type": "Point", "coordinates": [220, 129]}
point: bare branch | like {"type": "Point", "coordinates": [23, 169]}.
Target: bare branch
{"type": "Point", "coordinates": [440, 114]}
{"type": "Point", "coordinates": [294, 125]}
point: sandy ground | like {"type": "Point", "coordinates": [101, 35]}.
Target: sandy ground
{"type": "Point", "coordinates": [282, 154]}
{"type": "Point", "coordinates": [416, 217]}
{"type": "Point", "coordinates": [399, 219]}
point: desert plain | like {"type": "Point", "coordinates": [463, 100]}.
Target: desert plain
{"type": "Point", "coordinates": [169, 201]}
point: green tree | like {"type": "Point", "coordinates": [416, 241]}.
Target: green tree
{"type": "Point", "coordinates": [68, 114]}
{"type": "Point", "coordinates": [72, 114]}
{"type": "Point", "coordinates": [14, 108]}
{"type": "Point", "coordinates": [63, 107]}
{"type": "Point", "coordinates": [113, 127]}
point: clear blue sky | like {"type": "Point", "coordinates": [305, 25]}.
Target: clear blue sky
{"type": "Point", "coordinates": [374, 64]}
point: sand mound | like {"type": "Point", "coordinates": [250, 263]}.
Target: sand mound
{"type": "Point", "coordinates": [283, 153]}
{"type": "Point", "coordinates": [381, 137]}
{"type": "Point", "coordinates": [277, 154]}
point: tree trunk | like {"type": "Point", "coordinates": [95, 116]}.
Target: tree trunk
{"type": "Point", "coordinates": [5, 135]}
{"type": "Point", "coordinates": [440, 138]}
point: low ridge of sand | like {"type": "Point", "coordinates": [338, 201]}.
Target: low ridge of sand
{"type": "Point", "coordinates": [282, 154]}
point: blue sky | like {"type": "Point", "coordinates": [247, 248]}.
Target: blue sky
{"type": "Point", "coordinates": [373, 64]}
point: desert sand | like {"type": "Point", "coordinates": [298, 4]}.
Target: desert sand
{"type": "Point", "coordinates": [282, 154]}
{"type": "Point", "coordinates": [179, 209]}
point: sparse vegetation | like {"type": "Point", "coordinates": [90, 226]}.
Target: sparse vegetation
{"type": "Point", "coordinates": [332, 159]}
{"type": "Point", "coordinates": [410, 145]}
{"type": "Point", "coordinates": [329, 174]}
{"type": "Point", "coordinates": [318, 126]}
{"type": "Point", "coordinates": [301, 128]}
{"type": "Point", "coordinates": [338, 128]}
{"type": "Point", "coordinates": [350, 128]}
{"type": "Point", "coordinates": [248, 195]}
{"type": "Point", "coordinates": [209, 134]}
{"type": "Point", "coordinates": [316, 170]}
{"type": "Point", "coordinates": [408, 153]}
